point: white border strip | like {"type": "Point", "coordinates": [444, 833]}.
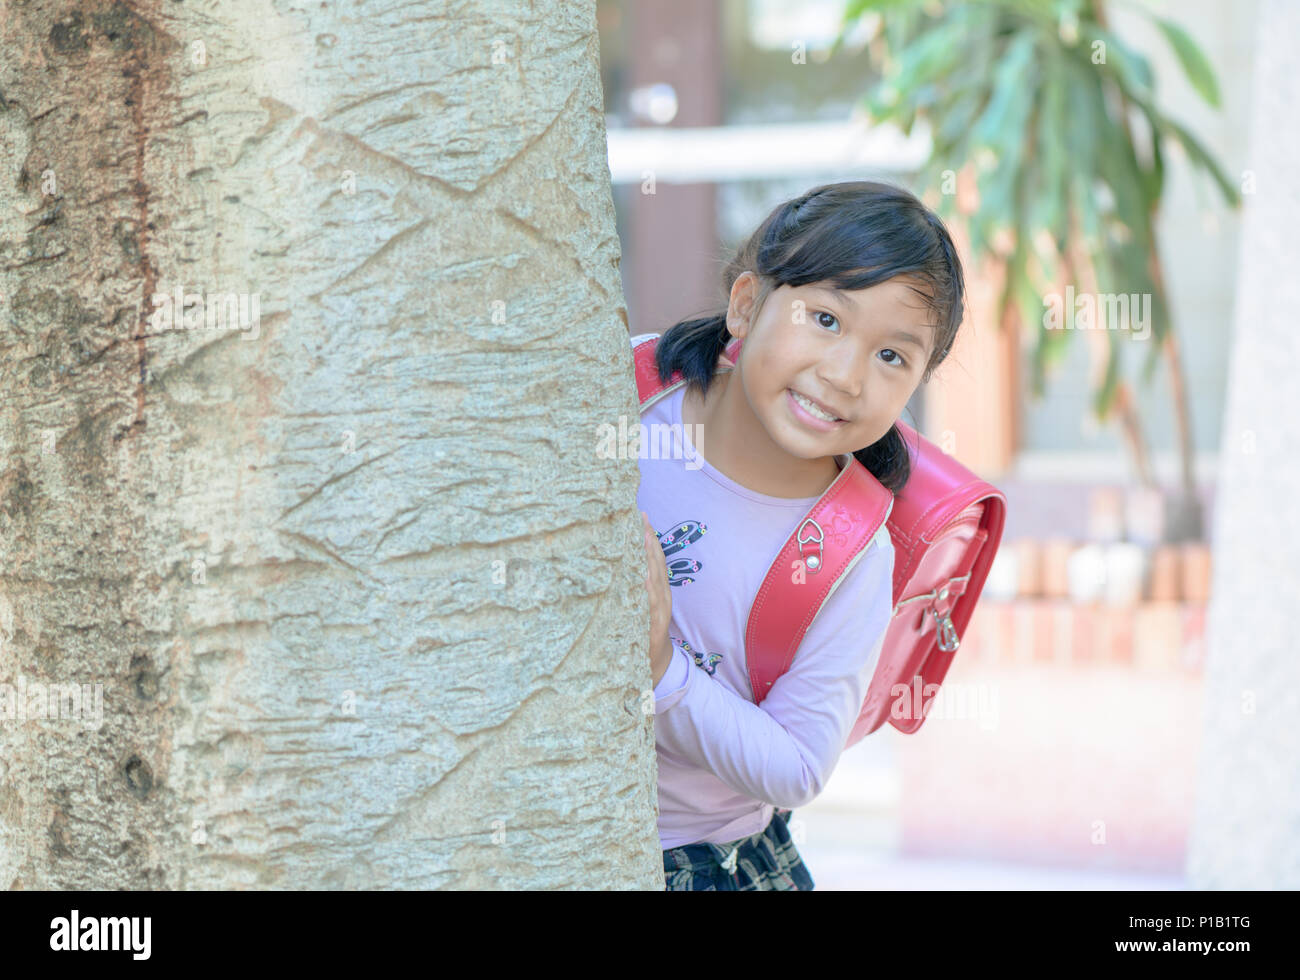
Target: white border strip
{"type": "Point", "coordinates": [703, 154]}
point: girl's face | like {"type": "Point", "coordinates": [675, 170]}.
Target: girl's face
{"type": "Point", "coordinates": [859, 354]}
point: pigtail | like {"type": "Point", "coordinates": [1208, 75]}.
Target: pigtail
{"type": "Point", "coordinates": [888, 460]}
{"type": "Point", "coordinates": [693, 347]}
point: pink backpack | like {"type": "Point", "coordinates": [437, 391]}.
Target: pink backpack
{"type": "Point", "coordinates": [945, 524]}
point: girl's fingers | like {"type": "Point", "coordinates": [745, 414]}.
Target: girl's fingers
{"type": "Point", "coordinates": [656, 576]}
{"type": "Point", "coordinates": [651, 546]}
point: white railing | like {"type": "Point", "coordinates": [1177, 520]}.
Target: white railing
{"type": "Point", "coordinates": [721, 153]}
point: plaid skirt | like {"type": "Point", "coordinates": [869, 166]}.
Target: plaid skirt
{"type": "Point", "coordinates": [763, 862]}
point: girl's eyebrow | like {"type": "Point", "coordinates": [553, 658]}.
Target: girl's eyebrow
{"type": "Point", "coordinates": [852, 304]}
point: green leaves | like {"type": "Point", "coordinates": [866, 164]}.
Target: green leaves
{"type": "Point", "coordinates": [856, 8]}
{"type": "Point", "coordinates": [1153, 177]}
{"type": "Point", "coordinates": [1043, 101]}
{"type": "Point", "coordinates": [921, 64]}
{"type": "Point", "coordinates": [1003, 131]}
{"type": "Point", "coordinates": [1050, 156]}
{"type": "Point", "coordinates": [1201, 157]}
{"type": "Point", "coordinates": [1193, 61]}
{"type": "Point", "coordinates": [1003, 122]}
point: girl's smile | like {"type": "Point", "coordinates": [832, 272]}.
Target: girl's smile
{"type": "Point", "coordinates": [813, 413]}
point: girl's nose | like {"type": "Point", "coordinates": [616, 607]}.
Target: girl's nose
{"type": "Point", "coordinates": [843, 371]}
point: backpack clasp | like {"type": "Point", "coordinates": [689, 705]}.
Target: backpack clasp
{"type": "Point", "coordinates": [812, 562]}
{"type": "Point", "coordinates": [946, 631]}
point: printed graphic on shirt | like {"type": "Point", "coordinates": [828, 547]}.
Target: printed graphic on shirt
{"type": "Point", "coordinates": [674, 540]}
{"type": "Point", "coordinates": [708, 662]}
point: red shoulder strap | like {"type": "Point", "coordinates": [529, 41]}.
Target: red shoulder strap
{"type": "Point", "coordinates": [828, 542]}
{"type": "Point", "coordinates": [648, 383]}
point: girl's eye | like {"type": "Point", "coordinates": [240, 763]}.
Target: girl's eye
{"type": "Point", "coordinates": [898, 357]}
{"type": "Point", "coordinates": [897, 360]}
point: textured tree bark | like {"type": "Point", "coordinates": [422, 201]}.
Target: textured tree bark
{"type": "Point", "coordinates": [365, 606]}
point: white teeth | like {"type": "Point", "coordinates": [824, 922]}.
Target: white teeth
{"type": "Point", "coordinates": [812, 409]}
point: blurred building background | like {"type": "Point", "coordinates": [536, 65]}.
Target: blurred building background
{"type": "Point", "coordinates": [1078, 768]}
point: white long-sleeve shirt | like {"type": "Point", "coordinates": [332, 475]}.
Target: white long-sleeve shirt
{"type": "Point", "coordinates": [724, 762]}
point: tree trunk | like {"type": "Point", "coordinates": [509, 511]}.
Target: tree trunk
{"type": "Point", "coordinates": [364, 604]}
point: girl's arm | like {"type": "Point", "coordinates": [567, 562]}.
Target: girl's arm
{"type": "Point", "coordinates": [784, 751]}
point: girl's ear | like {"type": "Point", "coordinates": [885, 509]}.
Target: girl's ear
{"type": "Point", "coordinates": [740, 304]}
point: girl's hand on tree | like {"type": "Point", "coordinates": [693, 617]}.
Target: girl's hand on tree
{"type": "Point", "coordinates": [661, 602]}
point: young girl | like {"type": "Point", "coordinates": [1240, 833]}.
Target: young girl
{"type": "Point", "coordinates": [845, 299]}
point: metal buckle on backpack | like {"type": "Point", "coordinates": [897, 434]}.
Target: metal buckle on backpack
{"type": "Point", "coordinates": [812, 562]}
{"type": "Point", "coordinates": [933, 593]}
{"type": "Point", "coordinates": [947, 633]}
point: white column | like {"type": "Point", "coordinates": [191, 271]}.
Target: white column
{"type": "Point", "coordinates": [1246, 830]}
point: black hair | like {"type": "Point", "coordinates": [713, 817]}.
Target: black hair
{"type": "Point", "coordinates": [853, 234]}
